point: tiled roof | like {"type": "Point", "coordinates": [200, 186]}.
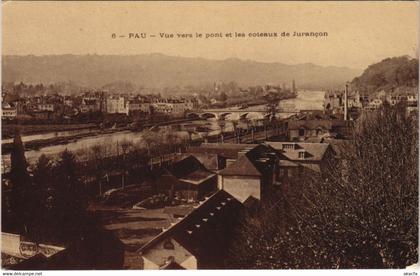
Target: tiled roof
{"type": "Point", "coordinates": [243, 166]}
{"type": "Point", "coordinates": [209, 160]}
{"type": "Point", "coordinates": [288, 163]}
{"type": "Point", "coordinates": [227, 150]}
{"type": "Point", "coordinates": [314, 151]}
{"type": "Point", "coordinates": [186, 166]}
{"type": "Point", "coordinates": [197, 177]}
{"type": "Point", "coordinates": [204, 229]}
{"type": "Point", "coordinates": [251, 159]}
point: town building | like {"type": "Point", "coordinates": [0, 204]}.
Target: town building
{"type": "Point", "coordinates": [162, 108]}
{"type": "Point", "coordinates": [410, 99]}
{"type": "Point", "coordinates": [248, 173]}
{"type": "Point", "coordinates": [46, 107]}
{"type": "Point", "coordinates": [90, 105]}
{"type": "Point", "coordinates": [173, 107]}
{"type": "Point", "coordinates": [211, 161]}
{"type": "Point", "coordinates": [375, 103]}
{"type": "Point", "coordinates": [187, 179]}
{"type": "Point", "coordinates": [244, 170]}
{"type": "Point", "coordinates": [135, 106]}
{"type": "Point", "coordinates": [68, 101]}
{"type": "Point", "coordinates": [315, 127]}
{"type": "Point", "coordinates": [8, 111]}
{"type": "Point", "coordinates": [116, 105]}
{"type": "Point", "coordinates": [197, 241]}
{"type": "Point", "coordinates": [295, 157]}
{"type": "Point", "coordinates": [291, 157]}
{"type": "Point", "coordinates": [224, 153]}
{"type": "Point", "coordinates": [334, 101]}
{"type": "Point", "coordinates": [253, 174]}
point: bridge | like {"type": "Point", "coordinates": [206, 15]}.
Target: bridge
{"type": "Point", "coordinates": [258, 112]}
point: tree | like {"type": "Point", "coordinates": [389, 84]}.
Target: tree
{"type": "Point", "coordinates": [42, 174]}
{"type": "Point", "coordinates": [149, 137]}
{"type": "Point", "coordinates": [44, 190]}
{"type": "Point", "coordinates": [126, 146]}
{"type": "Point", "coordinates": [363, 213]}
{"type": "Point", "coordinates": [397, 71]}
{"type": "Point", "coordinates": [69, 199]}
{"type": "Point", "coordinates": [22, 192]}
{"type": "Point", "coordinates": [98, 159]}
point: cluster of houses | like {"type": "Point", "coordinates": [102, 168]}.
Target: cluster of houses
{"type": "Point", "coordinates": [229, 179]}
{"type": "Point", "coordinates": [59, 106]}
{"type": "Point", "coordinates": [222, 180]}
{"type": "Point", "coordinates": [318, 127]}
{"type": "Point", "coordinates": [334, 101]}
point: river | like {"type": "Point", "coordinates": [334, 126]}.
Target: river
{"type": "Point", "coordinates": [305, 100]}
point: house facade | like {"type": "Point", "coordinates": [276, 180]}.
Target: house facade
{"type": "Point", "coordinates": [116, 105]}
{"type": "Point", "coordinates": [317, 127]}
{"type": "Point", "coordinates": [296, 157]}
{"type": "Point", "coordinates": [197, 241]}
{"type": "Point", "coordinates": [252, 175]}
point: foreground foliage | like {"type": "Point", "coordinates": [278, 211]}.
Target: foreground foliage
{"type": "Point", "coordinates": [362, 214]}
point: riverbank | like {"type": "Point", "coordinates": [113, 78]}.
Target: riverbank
{"type": "Point", "coordinates": [8, 130]}
{"type": "Point", "coordinates": [37, 144]}
{"type": "Point", "coordinates": [95, 131]}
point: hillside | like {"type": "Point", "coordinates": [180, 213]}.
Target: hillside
{"type": "Point", "coordinates": [158, 71]}
{"type": "Point", "coordinates": [391, 74]}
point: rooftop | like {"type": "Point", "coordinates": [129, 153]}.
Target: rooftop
{"type": "Point", "coordinates": [226, 150]}
{"type": "Point", "coordinates": [243, 166]}
{"type": "Point", "coordinates": [209, 160]}
{"type": "Point", "coordinates": [197, 177]}
{"type": "Point", "coordinates": [193, 231]}
{"type": "Point", "coordinates": [315, 151]}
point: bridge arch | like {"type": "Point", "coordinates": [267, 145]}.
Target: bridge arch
{"type": "Point", "coordinates": [223, 116]}
{"type": "Point", "coordinates": [208, 115]}
{"type": "Point", "coordinates": [243, 116]}
{"type": "Point", "coordinates": [193, 115]}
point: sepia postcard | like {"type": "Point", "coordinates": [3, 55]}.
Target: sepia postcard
{"type": "Point", "coordinates": [209, 135]}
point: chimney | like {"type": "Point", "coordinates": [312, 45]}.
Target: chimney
{"type": "Point", "coordinates": [346, 101]}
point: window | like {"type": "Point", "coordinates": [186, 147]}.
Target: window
{"type": "Point", "coordinates": [301, 132]}
{"type": "Point", "coordinates": [301, 155]}
{"type": "Point", "coordinates": [288, 146]}
{"type": "Point", "coordinates": [318, 131]}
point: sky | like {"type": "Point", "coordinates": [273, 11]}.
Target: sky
{"type": "Point", "coordinates": [359, 33]}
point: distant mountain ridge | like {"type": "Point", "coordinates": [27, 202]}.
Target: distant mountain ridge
{"type": "Point", "coordinates": [158, 71]}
